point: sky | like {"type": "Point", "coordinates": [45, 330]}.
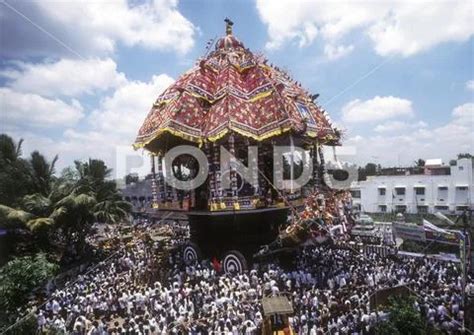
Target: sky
{"type": "Point", "coordinates": [78, 78]}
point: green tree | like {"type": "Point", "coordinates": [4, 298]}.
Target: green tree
{"type": "Point", "coordinates": [386, 328]}
{"type": "Point", "coordinates": [15, 176]}
{"type": "Point", "coordinates": [420, 162]}
{"type": "Point", "coordinates": [34, 211]}
{"type": "Point", "coordinates": [131, 178]}
{"type": "Point", "coordinates": [371, 169]}
{"type": "Point", "coordinates": [42, 173]}
{"type": "Point", "coordinates": [18, 278]}
{"type": "Point", "coordinates": [404, 317]}
{"type": "Point", "coordinates": [93, 171]}
{"type": "Point", "coordinates": [57, 210]}
{"type": "Point", "coordinates": [109, 207]}
{"type": "Point", "coordinates": [465, 155]}
{"type": "Point", "coordinates": [25, 326]}
{"type": "Point", "coordinates": [361, 174]}
{"type": "Point", "coordinates": [9, 150]}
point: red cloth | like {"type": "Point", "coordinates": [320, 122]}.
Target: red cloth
{"type": "Point", "coordinates": [216, 265]}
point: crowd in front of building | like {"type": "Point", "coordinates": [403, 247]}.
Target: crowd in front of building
{"type": "Point", "coordinates": [330, 289]}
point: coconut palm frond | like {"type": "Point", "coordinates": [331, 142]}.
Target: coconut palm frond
{"type": "Point", "coordinates": [58, 212]}
{"type": "Point", "coordinates": [67, 201]}
{"type": "Point", "coordinates": [74, 200]}
{"type": "Point", "coordinates": [85, 200]}
{"type": "Point", "coordinates": [111, 210]}
{"type": "Point", "coordinates": [12, 215]}
{"type": "Point", "coordinates": [105, 216]}
{"type": "Point", "coordinates": [9, 150]}
{"type": "Point", "coordinates": [53, 164]}
{"type": "Point", "coordinates": [125, 205]}
{"type": "Point", "coordinates": [18, 150]}
{"type": "Point", "coordinates": [37, 204]}
{"type": "Point", "coordinates": [39, 223]}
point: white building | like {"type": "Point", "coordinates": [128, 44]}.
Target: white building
{"type": "Point", "coordinates": [436, 187]}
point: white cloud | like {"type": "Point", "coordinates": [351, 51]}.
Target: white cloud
{"type": "Point", "coordinates": [29, 109]}
{"type": "Point", "coordinates": [411, 142]}
{"type": "Point", "coordinates": [464, 113]}
{"type": "Point", "coordinates": [153, 24]}
{"type": "Point", "coordinates": [470, 85]}
{"type": "Point", "coordinates": [124, 111]}
{"type": "Point", "coordinates": [395, 27]}
{"type": "Point", "coordinates": [111, 131]}
{"type": "Point", "coordinates": [334, 52]}
{"type": "Point", "coordinates": [65, 77]}
{"type": "Point", "coordinates": [112, 148]}
{"type": "Point", "coordinates": [376, 109]}
{"type": "Point", "coordinates": [113, 127]}
{"type": "Point", "coordinates": [414, 26]}
{"type": "Point", "coordinates": [392, 126]}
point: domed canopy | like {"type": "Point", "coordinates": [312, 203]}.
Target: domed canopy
{"type": "Point", "coordinates": [233, 90]}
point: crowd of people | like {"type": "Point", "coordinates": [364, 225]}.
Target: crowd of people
{"type": "Point", "coordinates": [329, 288]}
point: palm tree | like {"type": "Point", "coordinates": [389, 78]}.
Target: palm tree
{"type": "Point", "coordinates": [69, 212]}
{"type": "Point", "coordinates": [15, 180]}
{"type": "Point", "coordinates": [61, 207]}
{"type": "Point", "coordinates": [109, 208]}
{"type": "Point", "coordinates": [12, 218]}
{"type": "Point", "coordinates": [42, 172]}
{"type": "Point", "coordinates": [9, 150]}
{"type": "Point", "coordinates": [93, 170]}
{"type": "Point", "coordinates": [419, 162]}
{"type": "Point", "coordinates": [74, 217]}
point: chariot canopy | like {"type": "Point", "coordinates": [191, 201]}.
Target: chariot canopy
{"type": "Point", "coordinates": [232, 90]}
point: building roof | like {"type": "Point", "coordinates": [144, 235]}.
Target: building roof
{"type": "Point", "coordinates": [434, 162]}
{"type": "Point", "coordinates": [233, 90]}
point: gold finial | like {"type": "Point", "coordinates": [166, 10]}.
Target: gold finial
{"type": "Point", "coordinates": [228, 26]}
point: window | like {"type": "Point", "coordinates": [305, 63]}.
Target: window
{"type": "Point", "coordinates": [383, 208]}
{"type": "Point", "coordinates": [443, 208]}
{"type": "Point", "coordinates": [442, 193]}
{"type": "Point", "coordinates": [400, 208]}
{"type": "Point", "coordinates": [381, 191]}
{"type": "Point", "coordinates": [356, 194]}
{"type": "Point", "coordinates": [462, 188]}
{"type": "Point", "coordinates": [305, 113]}
{"type": "Point", "coordinates": [420, 190]}
{"type": "Point", "coordinates": [422, 209]}
{"type": "Point", "coordinates": [400, 190]}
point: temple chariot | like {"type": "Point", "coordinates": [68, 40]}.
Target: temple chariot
{"type": "Point", "coordinates": [235, 99]}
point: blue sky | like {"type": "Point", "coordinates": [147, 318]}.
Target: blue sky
{"type": "Point", "coordinates": [78, 79]}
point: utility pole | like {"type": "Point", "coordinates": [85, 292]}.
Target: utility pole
{"type": "Point", "coordinates": [465, 249]}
